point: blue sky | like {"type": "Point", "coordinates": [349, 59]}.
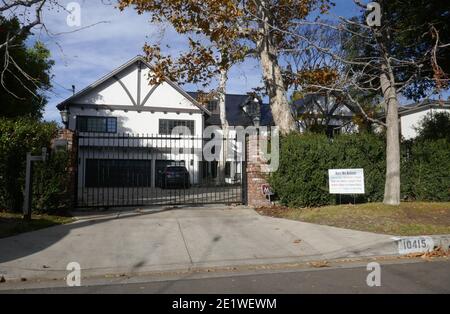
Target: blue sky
{"type": "Point", "coordinates": [109, 38]}
{"type": "Point", "coordinates": [113, 37]}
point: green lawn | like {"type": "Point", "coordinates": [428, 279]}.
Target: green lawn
{"type": "Point", "coordinates": [12, 223]}
{"type": "Point", "coordinates": [410, 218]}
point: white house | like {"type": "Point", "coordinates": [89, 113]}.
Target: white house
{"type": "Point", "coordinates": [412, 115]}
{"type": "Point", "coordinates": [132, 105]}
{"type": "Point", "coordinates": [123, 103]}
{"type": "Point", "coordinates": [125, 136]}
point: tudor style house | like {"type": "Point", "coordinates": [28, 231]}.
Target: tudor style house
{"type": "Point", "coordinates": [125, 129]}
{"type": "Point", "coordinates": [325, 112]}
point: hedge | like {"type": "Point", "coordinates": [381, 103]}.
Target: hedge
{"type": "Point", "coordinates": [17, 137]}
{"type": "Point", "coordinates": [426, 171]}
{"type": "Point", "coordinates": [302, 177]}
{"type": "Point", "coordinates": [51, 183]}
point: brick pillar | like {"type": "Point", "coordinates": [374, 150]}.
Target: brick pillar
{"type": "Point", "coordinates": [72, 169]}
{"type": "Point", "coordinates": [256, 178]}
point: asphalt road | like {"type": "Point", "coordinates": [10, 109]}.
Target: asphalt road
{"type": "Point", "coordinates": [416, 277]}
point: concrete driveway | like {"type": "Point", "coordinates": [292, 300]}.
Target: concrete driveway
{"type": "Point", "coordinates": [140, 241]}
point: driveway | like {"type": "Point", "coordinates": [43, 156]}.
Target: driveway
{"type": "Point", "coordinates": [128, 242]}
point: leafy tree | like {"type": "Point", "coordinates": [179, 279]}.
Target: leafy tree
{"type": "Point", "coordinates": [257, 27]}
{"type": "Point", "coordinates": [435, 126]}
{"type": "Point", "coordinates": [381, 61]}
{"type": "Point", "coordinates": [25, 73]}
{"type": "Point", "coordinates": [417, 39]}
{"type": "Point", "coordinates": [421, 34]}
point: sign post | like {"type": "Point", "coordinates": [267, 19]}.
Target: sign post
{"type": "Point", "coordinates": [267, 191]}
{"type": "Point", "coordinates": [29, 182]}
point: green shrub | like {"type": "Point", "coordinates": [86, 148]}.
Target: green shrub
{"type": "Point", "coordinates": [50, 184]}
{"type": "Point", "coordinates": [426, 171]}
{"type": "Point", "coordinates": [302, 178]}
{"type": "Point", "coordinates": [17, 137]}
{"type": "Point", "coordinates": [434, 126]}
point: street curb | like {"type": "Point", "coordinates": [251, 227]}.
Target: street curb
{"type": "Point", "coordinates": [441, 241]}
{"type": "Point", "coordinates": [201, 273]}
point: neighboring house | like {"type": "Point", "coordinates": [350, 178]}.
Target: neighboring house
{"type": "Point", "coordinates": [110, 112]}
{"type": "Point", "coordinates": [412, 115]}
{"type": "Point", "coordinates": [324, 111]}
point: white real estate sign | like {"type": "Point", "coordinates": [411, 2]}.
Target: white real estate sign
{"type": "Point", "coordinates": [346, 181]}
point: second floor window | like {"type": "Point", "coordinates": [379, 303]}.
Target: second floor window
{"type": "Point", "coordinates": [166, 126]}
{"type": "Point", "coordinates": [213, 105]}
{"type": "Point", "coordinates": [97, 124]}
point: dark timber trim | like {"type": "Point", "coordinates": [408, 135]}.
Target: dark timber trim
{"type": "Point", "coordinates": [126, 89]}
{"type": "Point", "coordinates": [138, 101]}
{"type": "Point", "coordinates": [149, 94]}
{"type": "Point", "coordinates": [134, 108]}
{"type": "Point", "coordinates": [112, 74]}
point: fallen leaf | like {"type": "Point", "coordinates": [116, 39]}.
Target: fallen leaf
{"type": "Point", "coordinates": [319, 264]}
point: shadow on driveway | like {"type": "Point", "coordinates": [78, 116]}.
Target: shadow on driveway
{"type": "Point", "coordinates": [25, 244]}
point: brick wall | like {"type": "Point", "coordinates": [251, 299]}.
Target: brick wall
{"type": "Point", "coordinates": [256, 176]}
{"type": "Point", "coordinates": [70, 138]}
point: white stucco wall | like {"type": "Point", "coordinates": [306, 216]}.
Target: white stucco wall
{"type": "Point", "coordinates": [165, 102]}
{"type": "Point", "coordinates": [112, 93]}
{"type": "Point", "coordinates": [410, 122]}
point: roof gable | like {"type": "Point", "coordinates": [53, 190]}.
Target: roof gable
{"type": "Point", "coordinates": [128, 86]}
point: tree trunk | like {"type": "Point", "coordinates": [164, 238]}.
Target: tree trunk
{"type": "Point", "coordinates": [224, 123]}
{"type": "Point", "coordinates": [392, 184]}
{"type": "Point", "coordinates": [272, 75]}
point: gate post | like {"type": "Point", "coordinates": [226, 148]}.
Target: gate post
{"type": "Point", "coordinates": [244, 187]}
{"type": "Point", "coordinates": [69, 140]}
{"type": "Point", "coordinates": [255, 178]}
{"type": "Point", "coordinates": [74, 168]}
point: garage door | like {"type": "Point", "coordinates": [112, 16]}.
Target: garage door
{"type": "Point", "coordinates": [118, 173]}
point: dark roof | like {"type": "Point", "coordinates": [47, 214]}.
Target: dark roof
{"type": "Point", "coordinates": [235, 114]}
{"type": "Point", "coordinates": [303, 105]}
{"type": "Point", "coordinates": [424, 105]}
{"type": "Point", "coordinates": [420, 106]}
{"type": "Point", "coordinates": [266, 115]}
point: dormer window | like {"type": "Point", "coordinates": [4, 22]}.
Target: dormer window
{"type": "Point", "coordinates": [252, 109]}
{"type": "Point", "coordinates": [213, 106]}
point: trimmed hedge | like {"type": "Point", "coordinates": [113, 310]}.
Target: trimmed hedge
{"type": "Point", "coordinates": [17, 137]}
{"type": "Point", "coordinates": [426, 171]}
{"type": "Point", "coordinates": [50, 184]}
{"type": "Point", "coordinates": [302, 178]}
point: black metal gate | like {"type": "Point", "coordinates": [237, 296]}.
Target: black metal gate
{"type": "Point", "coordinates": [138, 170]}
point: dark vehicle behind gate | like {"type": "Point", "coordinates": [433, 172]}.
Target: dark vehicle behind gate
{"type": "Point", "coordinates": [116, 170]}
{"type": "Point", "coordinates": [173, 176]}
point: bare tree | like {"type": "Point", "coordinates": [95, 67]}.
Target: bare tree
{"type": "Point", "coordinates": [368, 68]}
{"type": "Point", "coordinates": [29, 15]}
